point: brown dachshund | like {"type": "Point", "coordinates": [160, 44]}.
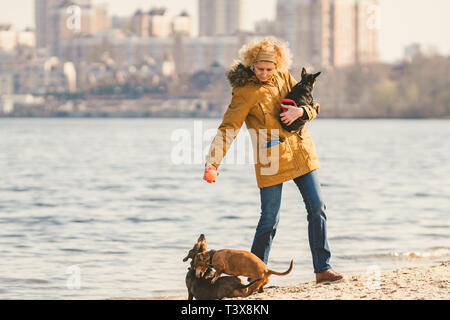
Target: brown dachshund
{"type": "Point", "coordinates": [236, 263]}
{"type": "Point", "coordinates": [225, 287]}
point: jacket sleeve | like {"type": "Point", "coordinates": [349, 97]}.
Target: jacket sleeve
{"type": "Point", "coordinates": [232, 122]}
{"type": "Point", "coordinates": [311, 112]}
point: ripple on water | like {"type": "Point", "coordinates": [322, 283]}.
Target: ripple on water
{"type": "Point", "coordinates": [73, 250]}
{"type": "Point", "coordinates": [230, 218]}
{"type": "Point", "coordinates": [42, 220]}
{"type": "Point", "coordinates": [24, 280]}
{"type": "Point", "coordinates": [45, 205]}
{"type": "Point", "coordinates": [143, 220]}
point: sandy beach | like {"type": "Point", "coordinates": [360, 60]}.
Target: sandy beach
{"type": "Point", "coordinates": [417, 283]}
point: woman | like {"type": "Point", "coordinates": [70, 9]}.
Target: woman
{"type": "Point", "coordinates": [258, 83]}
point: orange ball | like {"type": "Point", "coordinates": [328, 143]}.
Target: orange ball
{"type": "Point", "coordinates": [211, 175]}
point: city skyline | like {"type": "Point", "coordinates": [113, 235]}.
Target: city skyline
{"type": "Point", "coordinates": [398, 19]}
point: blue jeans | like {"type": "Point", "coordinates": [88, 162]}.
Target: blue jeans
{"type": "Point", "coordinates": [309, 187]}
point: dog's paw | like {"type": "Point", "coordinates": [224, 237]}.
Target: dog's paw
{"type": "Point", "coordinates": [214, 280]}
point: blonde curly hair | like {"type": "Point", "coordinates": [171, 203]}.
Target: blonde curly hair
{"type": "Point", "coordinates": [283, 54]}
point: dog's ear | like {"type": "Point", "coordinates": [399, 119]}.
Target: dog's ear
{"type": "Point", "coordinates": [303, 72]}
{"type": "Point", "coordinates": [190, 254]}
{"type": "Point", "coordinates": [316, 75]}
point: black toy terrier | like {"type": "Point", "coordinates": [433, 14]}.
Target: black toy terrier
{"type": "Point", "coordinates": [301, 94]}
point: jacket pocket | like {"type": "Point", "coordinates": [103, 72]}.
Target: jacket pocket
{"type": "Point", "coordinates": [276, 159]}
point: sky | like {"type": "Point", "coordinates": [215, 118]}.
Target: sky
{"type": "Point", "coordinates": [402, 22]}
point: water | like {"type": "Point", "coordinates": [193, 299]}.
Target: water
{"type": "Point", "coordinates": [95, 208]}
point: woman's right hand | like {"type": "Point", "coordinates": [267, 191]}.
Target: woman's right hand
{"type": "Point", "coordinates": [210, 177]}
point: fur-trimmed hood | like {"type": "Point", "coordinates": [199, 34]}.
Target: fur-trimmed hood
{"type": "Point", "coordinates": [238, 75]}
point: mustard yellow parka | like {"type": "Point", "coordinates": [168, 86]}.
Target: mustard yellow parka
{"type": "Point", "coordinates": [258, 104]}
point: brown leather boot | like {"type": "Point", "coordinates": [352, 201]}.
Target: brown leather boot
{"type": "Point", "coordinates": [328, 276]}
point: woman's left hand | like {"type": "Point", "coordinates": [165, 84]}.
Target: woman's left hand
{"type": "Point", "coordinates": [292, 114]}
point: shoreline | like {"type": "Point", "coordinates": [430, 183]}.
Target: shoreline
{"type": "Point", "coordinates": [410, 283]}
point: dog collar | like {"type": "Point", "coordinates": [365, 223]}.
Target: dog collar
{"type": "Point", "coordinates": [211, 255]}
